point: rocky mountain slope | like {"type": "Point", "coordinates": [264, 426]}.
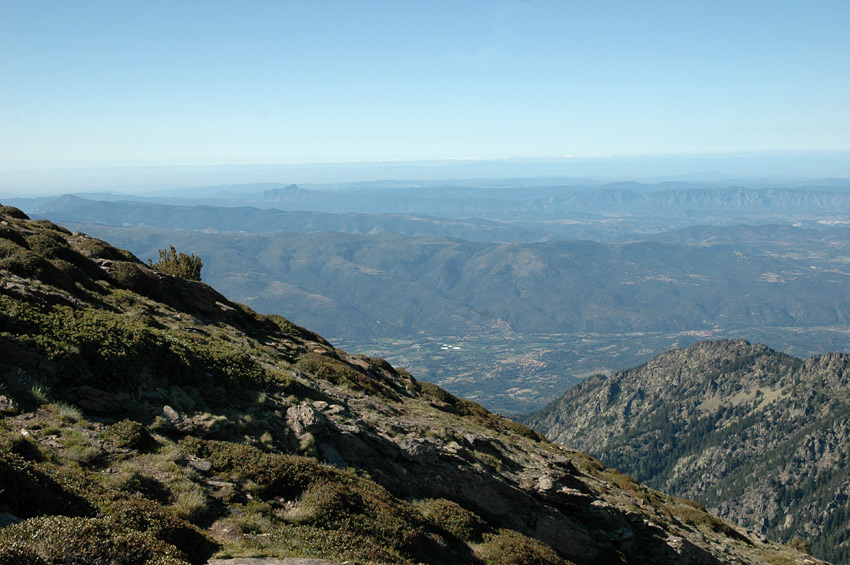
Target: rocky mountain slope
{"type": "Point", "coordinates": [760, 438]}
{"type": "Point", "coordinates": [148, 419]}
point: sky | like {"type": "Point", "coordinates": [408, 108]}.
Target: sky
{"type": "Point", "coordinates": [122, 84]}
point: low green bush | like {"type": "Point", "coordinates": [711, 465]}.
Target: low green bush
{"type": "Point", "coordinates": [327, 498]}
{"type": "Point", "coordinates": [307, 541]}
{"type": "Point", "coordinates": [178, 264]}
{"type": "Point", "coordinates": [137, 513]}
{"type": "Point", "coordinates": [361, 507]}
{"type": "Point", "coordinates": [27, 491]}
{"type": "Point", "coordinates": [453, 518]}
{"type": "Point", "coordinates": [99, 249]}
{"type": "Point", "coordinates": [133, 276]}
{"type": "Point", "coordinates": [13, 212]}
{"type": "Point", "coordinates": [338, 373]}
{"type": "Point", "coordinates": [62, 540]}
{"type": "Point", "coordinates": [507, 547]}
{"type": "Point", "coordinates": [25, 263]}
{"type": "Point", "coordinates": [130, 434]}
{"type": "Point", "coordinates": [123, 353]}
{"type": "Point", "coordinates": [272, 474]}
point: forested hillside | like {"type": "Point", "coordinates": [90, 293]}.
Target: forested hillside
{"type": "Point", "coordinates": [759, 437]}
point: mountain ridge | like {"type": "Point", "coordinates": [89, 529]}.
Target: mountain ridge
{"type": "Point", "coordinates": [758, 436]}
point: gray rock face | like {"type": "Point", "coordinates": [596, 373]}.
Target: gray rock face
{"type": "Point", "coordinates": [200, 425]}
{"type": "Point", "coordinates": [305, 418]}
{"type": "Point", "coordinates": [97, 401]}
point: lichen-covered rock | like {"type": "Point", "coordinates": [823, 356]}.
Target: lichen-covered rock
{"type": "Point", "coordinates": [305, 418]}
{"type": "Point", "coordinates": [7, 405]}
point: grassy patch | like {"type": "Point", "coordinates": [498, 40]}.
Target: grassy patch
{"type": "Point", "coordinates": [66, 412]}
{"type": "Point", "coordinates": [76, 447]}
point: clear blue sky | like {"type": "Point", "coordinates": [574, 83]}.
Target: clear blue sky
{"type": "Point", "coordinates": [139, 83]}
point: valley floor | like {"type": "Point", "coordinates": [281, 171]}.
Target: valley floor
{"type": "Point", "coordinates": [515, 374]}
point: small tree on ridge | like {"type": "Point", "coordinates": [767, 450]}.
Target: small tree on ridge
{"type": "Point", "coordinates": [178, 264]}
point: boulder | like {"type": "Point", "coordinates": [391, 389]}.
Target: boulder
{"type": "Point", "coordinates": [8, 405]}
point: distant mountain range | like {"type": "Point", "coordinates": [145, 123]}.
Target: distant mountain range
{"type": "Point", "coordinates": [514, 204]}
{"type": "Point", "coordinates": [254, 220]}
{"type": "Point", "coordinates": [759, 437]}
{"type": "Point", "coordinates": [671, 258]}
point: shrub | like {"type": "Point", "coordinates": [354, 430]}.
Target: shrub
{"type": "Point", "coordinates": [130, 434]}
{"type": "Point", "coordinates": [12, 235]}
{"type": "Point", "coordinates": [308, 541]}
{"type": "Point", "coordinates": [13, 212]}
{"type": "Point", "coordinates": [359, 506]}
{"type": "Point", "coordinates": [23, 262]}
{"type": "Point", "coordinates": [507, 547]}
{"type": "Point", "coordinates": [136, 513]}
{"type": "Point", "coordinates": [801, 545]}
{"type": "Point", "coordinates": [327, 498]}
{"type": "Point", "coordinates": [26, 491]}
{"type": "Point", "coordinates": [13, 441]}
{"type": "Point", "coordinates": [99, 249]}
{"type": "Point", "coordinates": [695, 515]}
{"type": "Point", "coordinates": [272, 474]}
{"type": "Point", "coordinates": [45, 245]}
{"type": "Point", "coordinates": [453, 518]}
{"type": "Point", "coordinates": [133, 277]}
{"type": "Point", "coordinates": [338, 373]}
{"type": "Point", "coordinates": [178, 264]}
{"type": "Point", "coordinates": [61, 539]}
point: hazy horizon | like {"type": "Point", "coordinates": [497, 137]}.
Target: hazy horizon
{"type": "Point", "coordinates": [171, 93]}
{"type": "Point", "coordinates": [758, 168]}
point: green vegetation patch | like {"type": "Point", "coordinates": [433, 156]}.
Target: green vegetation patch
{"type": "Point", "coordinates": [62, 539]}
{"type": "Point", "coordinates": [359, 506]}
{"type": "Point", "coordinates": [27, 491]}
{"type": "Point", "coordinates": [272, 474]}
{"type": "Point", "coordinates": [478, 412]}
{"type": "Point", "coordinates": [341, 374]}
{"type": "Point", "coordinates": [111, 349]}
{"type": "Point", "coordinates": [507, 547]}
{"type": "Point", "coordinates": [130, 434]}
{"type": "Point", "coordinates": [58, 487]}
{"type": "Point", "coordinates": [139, 514]}
{"type": "Point", "coordinates": [453, 518]}
{"type": "Point", "coordinates": [178, 264]}
{"type": "Point", "coordinates": [323, 497]}
{"type": "Point", "coordinates": [307, 541]}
